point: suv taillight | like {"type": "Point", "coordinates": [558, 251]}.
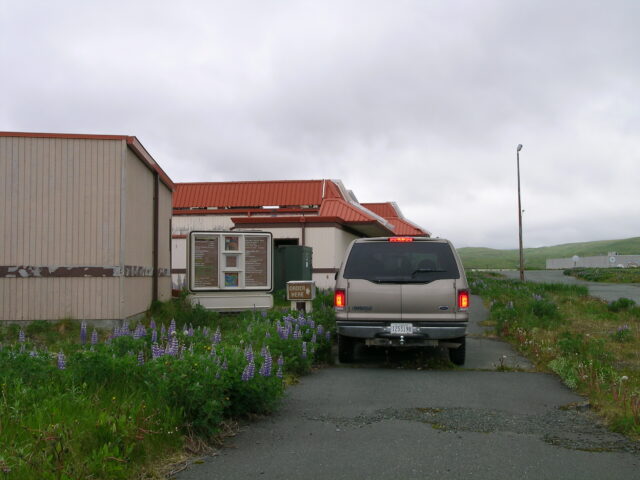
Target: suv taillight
{"type": "Point", "coordinates": [339, 299]}
{"type": "Point", "coordinates": [463, 299]}
{"type": "Point", "coordinates": [401, 239]}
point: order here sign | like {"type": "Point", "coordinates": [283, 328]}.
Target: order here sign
{"type": "Point", "coordinates": [230, 261]}
{"type": "Point", "coordinates": [301, 290]}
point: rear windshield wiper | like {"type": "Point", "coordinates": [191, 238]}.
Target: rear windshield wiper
{"type": "Point", "coordinates": [425, 270]}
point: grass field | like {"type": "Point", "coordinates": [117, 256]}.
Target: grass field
{"type": "Point", "coordinates": [77, 402]}
{"type": "Point", "coordinates": [593, 346]}
{"type": "Point", "coordinates": [535, 258]}
{"type": "Point", "coordinates": [609, 275]}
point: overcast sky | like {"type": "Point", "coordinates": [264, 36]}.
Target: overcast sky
{"type": "Point", "coordinates": [415, 101]}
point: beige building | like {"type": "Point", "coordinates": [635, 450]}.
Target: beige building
{"type": "Point", "coordinates": [85, 227]}
{"type": "Point", "coordinates": [321, 214]}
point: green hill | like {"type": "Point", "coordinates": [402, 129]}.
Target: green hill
{"type": "Point", "coordinates": [535, 258]}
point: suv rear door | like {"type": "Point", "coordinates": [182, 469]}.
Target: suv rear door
{"type": "Point", "coordinates": [401, 281]}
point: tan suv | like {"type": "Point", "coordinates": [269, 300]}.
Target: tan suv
{"type": "Point", "coordinates": [401, 292]}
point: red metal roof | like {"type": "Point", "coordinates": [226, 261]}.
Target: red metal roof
{"type": "Point", "coordinates": [385, 210]}
{"type": "Point", "coordinates": [254, 194]}
{"type": "Point", "coordinates": [323, 199]}
{"type": "Point", "coordinates": [339, 208]}
{"type": "Point", "coordinates": [132, 142]}
{"type": "Point", "coordinates": [390, 212]}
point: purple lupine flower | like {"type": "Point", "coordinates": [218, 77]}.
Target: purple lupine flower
{"type": "Point", "coordinates": [248, 372]}
{"type": "Point", "coordinates": [152, 324]}
{"type": "Point", "coordinates": [224, 365]}
{"type": "Point", "coordinates": [140, 331]}
{"type": "Point", "coordinates": [264, 314]}
{"type": "Point", "coordinates": [124, 330]}
{"type": "Point", "coordinates": [217, 337]}
{"type": "Point", "coordinates": [267, 334]}
{"type": "Point", "coordinates": [205, 332]}
{"type": "Point", "coordinates": [320, 329]}
{"type": "Point", "coordinates": [140, 357]}
{"type": "Point", "coordinates": [83, 333]}
{"type": "Point", "coordinates": [154, 336]}
{"type": "Point", "coordinates": [172, 326]}
{"type": "Point", "coordinates": [314, 338]}
{"type": "Point", "coordinates": [155, 351]}
{"type": "Point", "coordinates": [311, 323]}
{"type": "Point", "coordinates": [213, 353]}
{"type": "Point", "coordinates": [190, 332]}
{"type": "Point", "coordinates": [280, 360]}
{"type": "Point", "coordinates": [33, 353]}
{"type": "Point", "coordinates": [174, 345]}
{"type": "Point", "coordinates": [61, 361]}
{"type": "Point", "coordinates": [94, 337]}
{"type": "Point", "coordinates": [297, 333]}
{"type": "Point", "coordinates": [279, 372]}
{"type": "Point", "coordinates": [248, 353]}
{"type": "Point", "coordinates": [21, 336]}
{"type": "Point", "coordinates": [304, 350]}
{"type": "Point", "coordinates": [265, 369]}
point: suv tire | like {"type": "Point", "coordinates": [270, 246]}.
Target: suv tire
{"type": "Point", "coordinates": [457, 355]}
{"type": "Point", "coordinates": [346, 349]}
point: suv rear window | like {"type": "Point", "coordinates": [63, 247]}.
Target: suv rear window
{"type": "Point", "coordinates": [412, 262]}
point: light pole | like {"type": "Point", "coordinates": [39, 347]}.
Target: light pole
{"type": "Point", "coordinates": [520, 215]}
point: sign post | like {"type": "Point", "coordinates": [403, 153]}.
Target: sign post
{"type": "Point", "coordinates": [301, 294]}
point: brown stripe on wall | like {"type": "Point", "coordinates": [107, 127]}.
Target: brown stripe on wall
{"type": "Point", "coordinates": [325, 270]}
{"type": "Point", "coordinates": [31, 271]}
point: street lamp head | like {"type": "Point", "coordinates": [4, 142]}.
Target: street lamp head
{"type": "Point", "coordinates": [519, 147]}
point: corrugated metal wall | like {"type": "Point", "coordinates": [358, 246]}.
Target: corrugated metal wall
{"type": "Point", "coordinates": [77, 214]}
{"type": "Point", "coordinates": [164, 244]}
{"type": "Point", "coordinates": [60, 207]}
{"type": "Point", "coordinates": [138, 233]}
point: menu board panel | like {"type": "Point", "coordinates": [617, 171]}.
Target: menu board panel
{"type": "Point", "coordinates": [205, 262]}
{"type": "Point", "coordinates": [255, 262]}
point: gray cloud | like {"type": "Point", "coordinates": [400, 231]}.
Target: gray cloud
{"type": "Point", "coordinates": [419, 102]}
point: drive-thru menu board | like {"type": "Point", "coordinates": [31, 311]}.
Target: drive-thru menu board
{"type": "Point", "coordinates": [230, 261]}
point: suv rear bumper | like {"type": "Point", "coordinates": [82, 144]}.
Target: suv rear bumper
{"type": "Point", "coordinates": [382, 330]}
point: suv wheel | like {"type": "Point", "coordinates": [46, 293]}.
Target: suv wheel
{"type": "Point", "coordinates": [457, 355]}
{"type": "Point", "coordinates": [346, 349]}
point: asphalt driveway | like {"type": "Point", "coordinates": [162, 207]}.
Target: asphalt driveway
{"type": "Point", "coordinates": [381, 418]}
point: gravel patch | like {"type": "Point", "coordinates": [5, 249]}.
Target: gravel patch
{"type": "Point", "coordinates": [571, 427]}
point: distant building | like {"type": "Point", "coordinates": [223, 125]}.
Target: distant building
{"type": "Point", "coordinates": [85, 227]}
{"type": "Point", "coordinates": [320, 214]}
{"type": "Point", "coordinates": [612, 259]}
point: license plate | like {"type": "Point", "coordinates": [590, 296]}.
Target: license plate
{"type": "Point", "coordinates": [401, 328]}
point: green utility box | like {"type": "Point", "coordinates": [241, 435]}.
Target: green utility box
{"type": "Point", "coordinates": [291, 262]}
